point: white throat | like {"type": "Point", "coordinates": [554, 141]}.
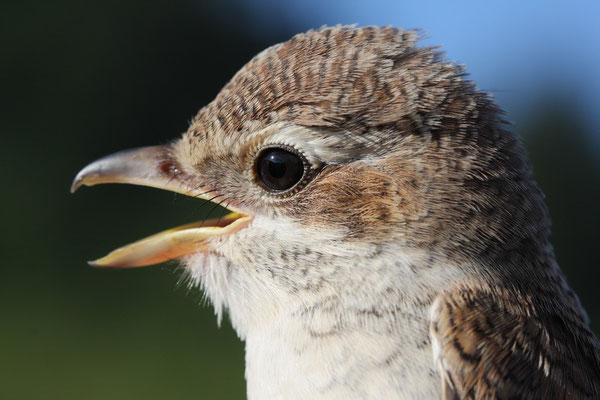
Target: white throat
{"type": "Point", "coordinates": [339, 322]}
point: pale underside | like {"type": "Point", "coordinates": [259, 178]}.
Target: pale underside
{"type": "Point", "coordinates": [320, 342]}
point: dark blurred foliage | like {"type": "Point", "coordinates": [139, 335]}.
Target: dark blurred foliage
{"type": "Point", "coordinates": [82, 79]}
{"type": "Point", "coordinates": [566, 165]}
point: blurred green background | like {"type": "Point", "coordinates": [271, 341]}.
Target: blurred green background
{"type": "Point", "coordinates": [83, 79]}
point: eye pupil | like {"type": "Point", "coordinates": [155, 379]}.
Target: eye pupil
{"type": "Point", "coordinates": [276, 165]}
{"type": "Point", "coordinates": [279, 169]}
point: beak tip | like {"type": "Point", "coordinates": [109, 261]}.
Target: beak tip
{"type": "Point", "coordinates": [75, 185]}
{"type": "Point", "coordinates": [79, 180]}
{"type": "Point", "coordinates": [100, 263]}
{"type": "Point", "coordinates": [105, 262]}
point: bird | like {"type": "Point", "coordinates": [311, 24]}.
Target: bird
{"type": "Point", "coordinates": [385, 239]}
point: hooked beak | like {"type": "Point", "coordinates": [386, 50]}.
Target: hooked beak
{"type": "Point", "coordinates": [153, 166]}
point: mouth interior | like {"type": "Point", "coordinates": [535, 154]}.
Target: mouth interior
{"type": "Point", "coordinates": [215, 223]}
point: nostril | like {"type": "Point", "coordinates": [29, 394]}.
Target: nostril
{"type": "Point", "coordinates": [167, 167]}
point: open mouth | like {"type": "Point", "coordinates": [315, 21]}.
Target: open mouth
{"type": "Point", "coordinates": [150, 166]}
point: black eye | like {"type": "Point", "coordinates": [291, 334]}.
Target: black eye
{"type": "Point", "coordinates": [279, 170]}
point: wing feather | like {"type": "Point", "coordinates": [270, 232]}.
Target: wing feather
{"type": "Point", "coordinates": [493, 345]}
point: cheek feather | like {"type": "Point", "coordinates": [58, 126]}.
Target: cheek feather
{"type": "Point", "coordinates": [369, 203]}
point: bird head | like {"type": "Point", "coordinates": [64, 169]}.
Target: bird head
{"type": "Point", "coordinates": [344, 155]}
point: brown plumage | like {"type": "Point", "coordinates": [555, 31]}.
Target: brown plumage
{"type": "Point", "coordinates": [411, 260]}
{"type": "Point", "coordinates": [495, 344]}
